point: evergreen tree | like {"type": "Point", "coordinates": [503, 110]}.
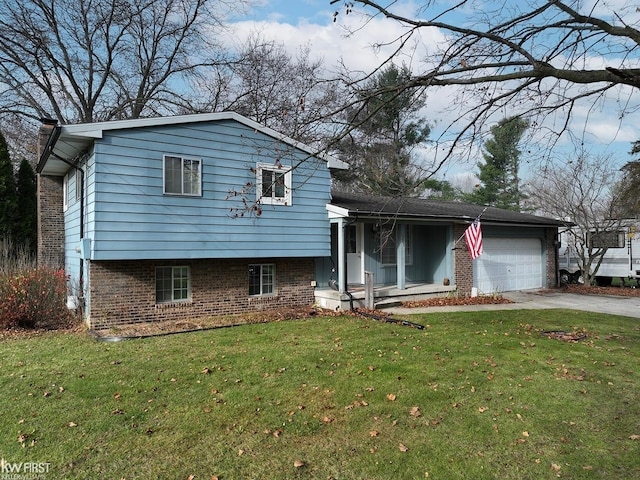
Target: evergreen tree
{"type": "Point", "coordinates": [27, 221]}
{"type": "Point", "coordinates": [439, 190]}
{"type": "Point", "coordinates": [385, 131]}
{"type": "Point", "coordinates": [626, 190]}
{"type": "Point", "coordinates": [499, 174]}
{"type": "Point", "coordinates": [8, 202]}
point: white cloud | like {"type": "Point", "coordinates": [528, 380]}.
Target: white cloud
{"type": "Point", "coordinates": [370, 44]}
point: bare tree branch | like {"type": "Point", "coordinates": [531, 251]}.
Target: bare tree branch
{"type": "Point", "coordinates": [537, 58]}
{"type": "Point", "coordinates": [88, 60]}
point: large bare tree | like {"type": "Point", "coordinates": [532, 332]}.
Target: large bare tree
{"type": "Point", "coordinates": [534, 58]}
{"type": "Point", "coordinates": [284, 91]}
{"type": "Point", "coordinates": [95, 60]}
{"type": "Point", "coordinates": [580, 191]}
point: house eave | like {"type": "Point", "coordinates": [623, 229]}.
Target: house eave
{"type": "Point", "coordinates": [73, 140]}
{"type": "Point", "coordinates": [368, 216]}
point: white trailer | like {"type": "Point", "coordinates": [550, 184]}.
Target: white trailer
{"type": "Point", "coordinates": [621, 260]}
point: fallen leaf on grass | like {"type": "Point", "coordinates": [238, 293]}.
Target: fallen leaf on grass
{"type": "Point", "coordinates": [634, 437]}
{"type": "Point", "coordinates": [391, 397]}
{"type": "Point", "coordinates": [72, 424]}
{"type": "Point", "coordinates": [298, 463]}
{"type": "Point", "coordinates": [483, 409]}
{"type": "Point", "coordinates": [374, 433]}
{"type": "Point", "coordinates": [415, 412]}
{"type": "Point", "coordinates": [403, 448]}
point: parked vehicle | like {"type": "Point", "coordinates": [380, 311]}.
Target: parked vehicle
{"type": "Point", "coordinates": [620, 261]}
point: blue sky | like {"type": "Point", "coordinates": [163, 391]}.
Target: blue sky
{"type": "Point", "coordinates": [299, 22]}
{"type": "Point", "coordinates": [293, 11]}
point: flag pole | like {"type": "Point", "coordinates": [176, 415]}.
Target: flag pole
{"type": "Point", "coordinates": [475, 220]}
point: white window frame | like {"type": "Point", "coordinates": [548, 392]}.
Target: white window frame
{"type": "Point", "coordinates": [273, 198]}
{"type": "Point", "coordinates": [65, 193]}
{"type": "Point", "coordinates": [267, 287]}
{"type": "Point", "coordinates": [78, 193]}
{"type": "Point", "coordinates": [177, 274]}
{"type": "Point", "coordinates": [183, 161]}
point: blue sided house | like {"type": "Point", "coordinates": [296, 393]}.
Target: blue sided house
{"type": "Point", "coordinates": [179, 218]}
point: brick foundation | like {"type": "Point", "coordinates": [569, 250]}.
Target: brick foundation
{"type": "Point", "coordinates": [123, 292]}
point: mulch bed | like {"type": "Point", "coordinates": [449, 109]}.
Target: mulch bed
{"type": "Point", "coordinates": [277, 315]}
{"type": "Point", "coordinates": [613, 291]}
{"type": "Point", "coordinates": [139, 330]}
{"type": "Point", "coordinates": [454, 300]}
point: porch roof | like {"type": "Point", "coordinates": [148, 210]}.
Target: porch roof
{"type": "Point", "coordinates": [372, 206]}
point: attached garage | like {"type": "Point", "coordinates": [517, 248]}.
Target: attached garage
{"type": "Point", "coordinates": [509, 264]}
{"type": "Point", "coordinates": [409, 244]}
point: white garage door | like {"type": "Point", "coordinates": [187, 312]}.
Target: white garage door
{"type": "Point", "coordinates": [509, 264]}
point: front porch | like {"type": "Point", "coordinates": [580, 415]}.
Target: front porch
{"type": "Point", "coordinates": [384, 296]}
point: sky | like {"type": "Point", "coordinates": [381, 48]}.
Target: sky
{"type": "Point", "coordinates": [296, 23]}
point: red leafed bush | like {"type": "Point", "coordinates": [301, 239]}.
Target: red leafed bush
{"type": "Point", "coordinates": [33, 296]}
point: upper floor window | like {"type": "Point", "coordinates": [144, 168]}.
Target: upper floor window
{"type": "Point", "coordinates": [273, 184]}
{"type": "Point", "coordinates": [182, 176]}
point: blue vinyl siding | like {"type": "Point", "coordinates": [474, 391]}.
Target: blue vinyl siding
{"type": "Point", "coordinates": [129, 217]}
{"type": "Point", "coordinates": [72, 234]}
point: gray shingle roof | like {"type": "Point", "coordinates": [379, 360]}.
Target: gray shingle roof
{"type": "Point", "coordinates": [365, 205]}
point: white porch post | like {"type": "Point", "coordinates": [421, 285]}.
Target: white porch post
{"type": "Point", "coordinates": [401, 240]}
{"type": "Point", "coordinates": [342, 259]}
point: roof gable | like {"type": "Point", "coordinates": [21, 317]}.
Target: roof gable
{"type": "Point", "coordinates": [67, 142]}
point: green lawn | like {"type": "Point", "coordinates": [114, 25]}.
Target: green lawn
{"type": "Point", "coordinates": [473, 395]}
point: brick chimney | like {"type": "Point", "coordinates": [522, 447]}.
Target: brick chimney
{"type": "Point", "coordinates": [50, 207]}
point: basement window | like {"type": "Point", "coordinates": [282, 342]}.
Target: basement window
{"type": "Point", "coordinates": [173, 284]}
{"type": "Point", "coordinates": [262, 279]}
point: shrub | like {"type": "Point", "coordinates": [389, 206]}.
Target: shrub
{"type": "Point", "coordinates": [33, 296]}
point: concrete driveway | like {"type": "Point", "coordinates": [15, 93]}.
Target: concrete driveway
{"type": "Point", "coordinates": [627, 306]}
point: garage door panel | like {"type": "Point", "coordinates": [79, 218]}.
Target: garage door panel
{"type": "Point", "coordinates": [509, 264]}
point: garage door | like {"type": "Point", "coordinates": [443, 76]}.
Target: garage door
{"type": "Point", "coordinates": [509, 264]}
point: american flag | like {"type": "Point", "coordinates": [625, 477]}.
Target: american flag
{"type": "Point", "coordinates": [473, 237]}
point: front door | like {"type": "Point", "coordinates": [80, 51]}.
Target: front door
{"type": "Point", "coordinates": [355, 257]}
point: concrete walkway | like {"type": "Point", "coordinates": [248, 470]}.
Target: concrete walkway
{"type": "Point", "coordinates": [614, 305]}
